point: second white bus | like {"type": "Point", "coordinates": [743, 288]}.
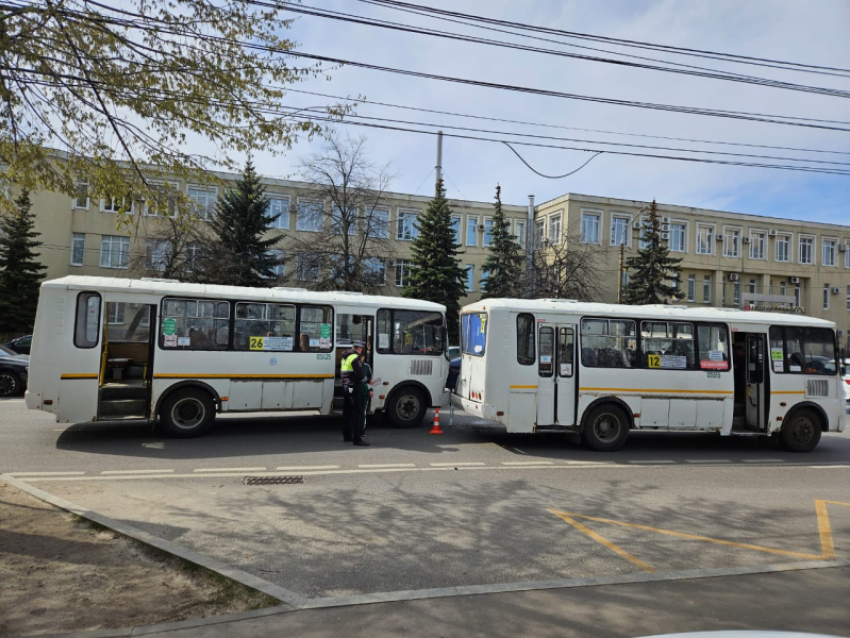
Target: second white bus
{"type": "Point", "coordinates": [113, 349]}
{"type": "Point", "coordinates": [602, 370]}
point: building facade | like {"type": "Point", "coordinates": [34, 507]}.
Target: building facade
{"type": "Point", "coordinates": [725, 256]}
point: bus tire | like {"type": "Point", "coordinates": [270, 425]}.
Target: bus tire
{"type": "Point", "coordinates": [407, 407]}
{"type": "Point", "coordinates": [606, 428]}
{"type": "Point", "coordinates": [801, 433]}
{"type": "Point", "coordinates": [187, 413]}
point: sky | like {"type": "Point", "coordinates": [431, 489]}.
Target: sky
{"type": "Point", "coordinates": [812, 32]}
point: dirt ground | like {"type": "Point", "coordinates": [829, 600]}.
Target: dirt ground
{"type": "Point", "coordinates": [59, 573]}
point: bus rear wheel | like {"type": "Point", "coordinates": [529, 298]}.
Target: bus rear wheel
{"type": "Point", "coordinates": [407, 408]}
{"type": "Point", "coordinates": [801, 433]}
{"type": "Point", "coordinates": [188, 413]}
{"type": "Point", "coordinates": [606, 428]}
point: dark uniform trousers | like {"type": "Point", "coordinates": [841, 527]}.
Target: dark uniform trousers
{"type": "Point", "coordinates": [352, 413]}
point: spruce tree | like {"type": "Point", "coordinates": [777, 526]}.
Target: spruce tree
{"type": "Point", "coordinates": [20, 271]}
{"type": "Point", "coordinates": [238, 254]}
{"type": "Point", "coordinates": [652, 266]}
{"type": "Point", "coordinates": [436, 274]}
{"type": "Point", "coordinates": [503, 266]}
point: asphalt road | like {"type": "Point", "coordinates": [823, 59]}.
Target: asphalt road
{"type": "Point", "coordinates": [471, 507]}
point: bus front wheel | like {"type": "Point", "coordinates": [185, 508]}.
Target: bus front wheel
{"type": "Point", "coordinates": [188, 413]}
{"type": "Point", "coordinates": [801, 433]}
{"type": "Point", "coordinates": [407, 408]}
{"type": "Point", "coordinates": [606, 428]}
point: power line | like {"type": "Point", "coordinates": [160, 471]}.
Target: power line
{"type": "Point", "coordinates": [693, 71]}
{"type": "Point", "coordinates": [522, 159]}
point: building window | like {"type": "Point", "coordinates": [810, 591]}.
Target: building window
{"type": "Point", "coordinates": [732, 242]}
{"type": "Point", "coordinates": [78, 248]}
{"type": "Point", "coordinates": [736, 293]}
{"type": "Point", "coordinates": [555, 229]}
{"type": "Point", "coordinates": [310, 217]}
{"type": "Point", "coordinates": [278, 258]}
{"type": "Point", "coordinates": [692, 287]}
{"type": "Point", "coordinates": [374, 271]}
{"type": "Point", "coordinates": [470, 277]}
{"type": "Point", "coordinates": [114, 204]}
{"type": "Point", "coordinates": [457, 222]}
{"type": "Point", "coordinates": [115, 313]}
{"type": "Point", "coordinates": [758, 241]}
{"type": "Point", "coordinates": [807, 249]}
{"type": "Point", "coordinates": [782, 247]}
{"type": "Point", "coordinates": [340, 218]}
{"type": "Point", "coordinates": [471, 230]}
{"type": "Point", "coordinates": [645, 227]}
{"type": "Point", "coordinates": [378, 223]}
{"type": "Point", "coordinates": [279, 206]}
{"type": "Point", "coordinates": [402, 272]}
{"type": "Point", "coordinates": [539, 232]}
{"type": "Point", "coordinates": [484, 277]}
{"type": "Point", "coordinates": [828, 248]}
{"type": "Point", "coordinates": [706, 289]}
{"type": "Point", "coordinates": [81, 199]}
{"type": "Point", "coordinates": [192, 254]}
{"type": "Point", "coordinates": [798, 296]}
{"type": "Point", "coordinates": [589, 228]}
{"type": "Point", "coordinates": [848, 298]}
{"type": "Point", "coordinates": [752, 286]}
{"type": "Point", "coordinates": [846, 256]}
{"type": "Point", "coordinates": [826, 296]}
{"type": "Point", "coordinates": [307, 267]}
{"type": "Point", "coordinates": [114, 251]}
{"type": "Point", "coordinates": [519, 233]}
{"type": "Point", "coordinates": [620, 230]}
{"type": "Point", "coordinates": [487, 238]}
{"type": "Point", "coordinates": [678, 237]}
{"type": "Point", "coordinates": [783, 288]}
{"type": "Point", "coordinates": [705, 235]}
{"type": "Point", "coordinates": [407, 226]}
{"type": "Point", "coordinates": [163, 199]}
{"type": "Point", "coordinates": [204, 200]}
{"type": "Point", "coordinates": [157, 254]}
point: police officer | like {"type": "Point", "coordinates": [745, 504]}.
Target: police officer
{"type": "Point", "coordinates": [351, 371]}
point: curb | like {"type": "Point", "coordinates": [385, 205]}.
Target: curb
{"type": "Point", "coordinates": [290, 599]}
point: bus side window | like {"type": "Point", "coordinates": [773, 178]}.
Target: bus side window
{"type": "Point", "coordinates": [545, 365]}
{"type": "Point", "coordinates": [566, 340]}
{"type": "Point", "coordinates": [525, 339]}
{"type": "Point", "coordinates": [87, 329]}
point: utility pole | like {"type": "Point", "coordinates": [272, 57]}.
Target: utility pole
{"type": "Point", "coordinates": [438, 169]}
{"type": "Point", "coordinates": [620, 270]}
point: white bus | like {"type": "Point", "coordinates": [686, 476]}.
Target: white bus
{"type": "Point", "coordinates": [601, 370]}
{"type": "Point", "coordinates": [112, 349]}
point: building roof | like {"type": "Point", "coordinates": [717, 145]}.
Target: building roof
{"type": "Point", "coordinates": [659, 311]}
{"type": "Point", "coordinates": [280, 294]}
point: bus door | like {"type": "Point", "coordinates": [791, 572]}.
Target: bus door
{"type": "Point", "coordinates": [556, 371]}
{"type": "Point", "coordinates": [126, 363]}
{"type": "Point", "coordinates": [755, 398]}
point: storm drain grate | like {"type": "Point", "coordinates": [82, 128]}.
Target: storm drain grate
{"type": "Point", "coordinates": [273, 480]}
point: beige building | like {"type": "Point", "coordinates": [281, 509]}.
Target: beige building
{"type": "Point", "coordinates": [725, 255]}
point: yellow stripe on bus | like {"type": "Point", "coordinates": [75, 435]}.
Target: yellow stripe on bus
{"type": "Point", "coordinates": [523, 387]}
{"type": "Point", "coordinates": [655, 390]}
{"type": "Point", "coordinates": [79, 376]}
{"type": "Point", "coordinates": [243, 376]}
{"type": "Point", "coordinates": [788, 392]}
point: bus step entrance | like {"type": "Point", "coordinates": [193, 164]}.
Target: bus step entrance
{"type": "Point", "coordinates": [123, 408]}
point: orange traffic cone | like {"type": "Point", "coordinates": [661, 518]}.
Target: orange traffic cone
{"type": "Point", "coordinates": [436, 429]}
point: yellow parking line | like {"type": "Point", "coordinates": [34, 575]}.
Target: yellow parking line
{"type": "Point", "coordinates": [604, 541]}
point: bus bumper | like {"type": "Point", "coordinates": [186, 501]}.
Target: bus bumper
{"type": "Point", "coordinates": [475, 408]}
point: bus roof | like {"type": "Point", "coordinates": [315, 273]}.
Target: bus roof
{"type": "Point", "coordinates": [167, 288]}
{"type": "Point", "coordinates": [653, 311]}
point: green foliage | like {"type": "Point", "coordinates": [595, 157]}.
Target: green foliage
{"type": "Point", "coordinates": [503, 266]}
{"type": "Point", "coordinates": [238, 255]}
{"type": "Point", "coordinates": [436, 274]}
{"type": "Point", "coordinates": [652, 267]}
{"type": "Point", "coordinates": [20, 271]}
{"type": "Point", "coordinates": [126, 93]}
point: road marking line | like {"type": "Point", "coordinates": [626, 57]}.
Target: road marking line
{"type": "Point", "coordinates": [707, 461]}
{"type": "Point", "coordinates": [456, 464]}
{"type": "Point", "coordinates": [527, 463]}
{"type": "Point", "coordinates": [662, 461]}
{"type": "Point", "coordinates": [232, 469]}
{"type": "Point", "coordinates": [383, 466]}
{"type": "Point", "coordinates": [764, 460]}
{"type": "Point", "coordinates": [46, 473]}
{"type": "Point", "coordinates": [694, 537]}
{"type": "Point", "coordinates": [307, 467]}
{"type": "Point", "coordinates": [604, 541]}
{"type": "Point", "coordinates": [828, 467]}
{"type": "Point", "coordinates": [136, 471]}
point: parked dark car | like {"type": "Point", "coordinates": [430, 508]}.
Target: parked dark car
{"type": "Point", "coordinates": [14, 369]}
{"type": "Point", "coordinates": [454, 371]}
{"type": "Point", "coordinates": [21, 345]}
